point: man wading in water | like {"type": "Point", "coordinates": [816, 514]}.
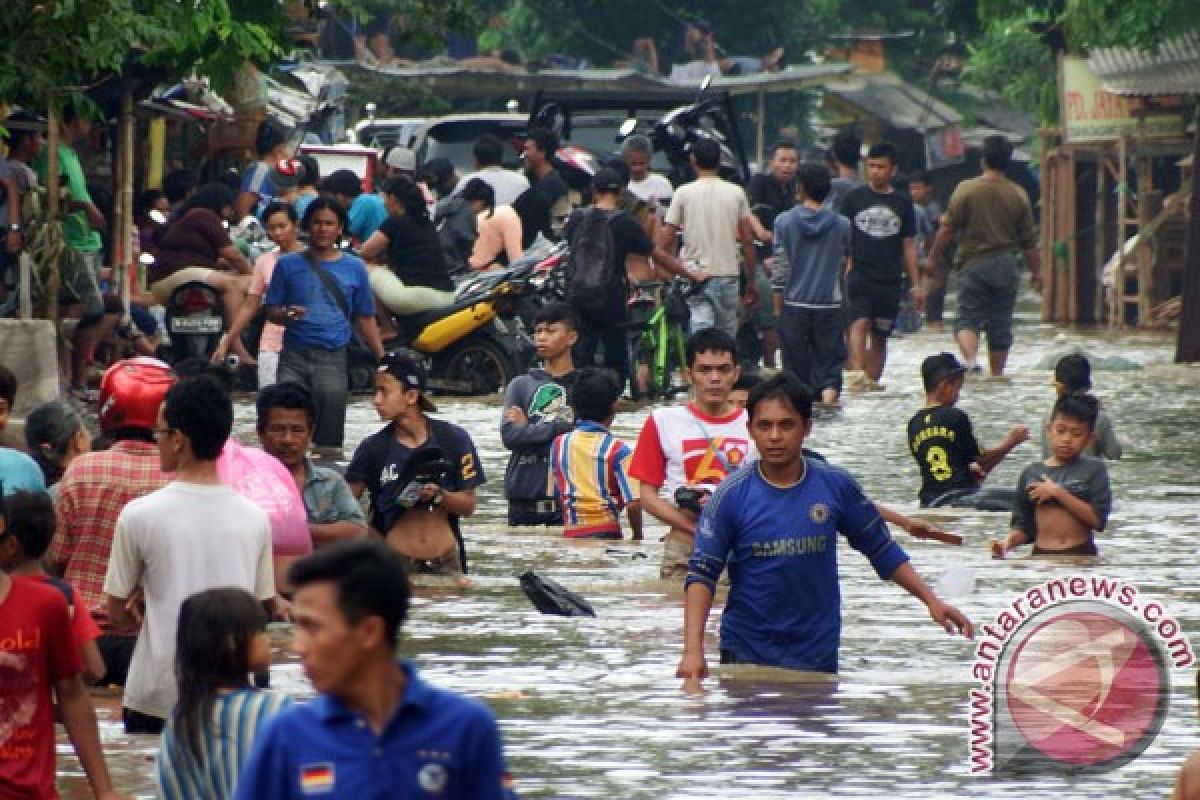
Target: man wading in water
{"type": "Point", "coordinates": [421, 472]}
{"type": "Point", "coordinates": [775, 523]}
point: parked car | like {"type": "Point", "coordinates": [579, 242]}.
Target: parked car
{"type": "Point", "coordinates": [453, 137]}
{"type": "Point", "coordinates": [384, 132]}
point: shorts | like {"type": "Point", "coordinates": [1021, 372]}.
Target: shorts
{"type": "Point", "coordinates": [448, 563]}
{"type": "Point", "coordinates": [1086, 549]}
{"type": "Point", "coordinates": [763, 317]}
{"type": "Point", "coordinates": [268, 368]}
{"type": "Point", "coordinates": [878, 302]}
{"type": "Point", "coordinates": [987, 297]}
{"type": "Point", "coordinates": [162, 288]}
{"type": "Point", "coordinates": [400, 298]}
{"type": "Point", "coordinates": [677, 551]}
{"type": "Point", "coordinates": [79, 283]}
{"type": "Point", "coordinates": [137, 722]}
{"type": "Point", "coordinates": [534, 512]}
{"type": "Point", "coordinates": [117, 653]}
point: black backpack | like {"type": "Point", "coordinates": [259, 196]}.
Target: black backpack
{"type": "Point", "coordinates": [592, 275]}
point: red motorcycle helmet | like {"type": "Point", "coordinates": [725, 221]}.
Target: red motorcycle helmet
{"type": "Point", "coordinates": [132, 391]}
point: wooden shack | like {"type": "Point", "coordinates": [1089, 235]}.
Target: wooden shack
{"type": "Point", "coordinates": [1113, 202]}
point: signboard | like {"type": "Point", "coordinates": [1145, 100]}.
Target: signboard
{"type": "Point", "coordinates": [1090, 114]}
{"type": "Point", "coordinates": [944, 147]}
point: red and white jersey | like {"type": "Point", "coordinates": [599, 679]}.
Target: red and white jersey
{"type": "Point", "coordinates": [682, 446]}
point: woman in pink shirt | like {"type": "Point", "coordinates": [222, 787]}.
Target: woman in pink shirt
{"type": "Point", "coordinates": [499, 229]}
{"type": "Point", "coordinates": [281, 221]}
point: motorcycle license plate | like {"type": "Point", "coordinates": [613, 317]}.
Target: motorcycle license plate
{"type": "Point", "coordinates": [200, 325]}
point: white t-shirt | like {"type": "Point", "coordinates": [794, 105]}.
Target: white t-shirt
{"type": "Point", "coordinates": [655, 189]}
{"type": "Point", "coordinates": [683, 446]}
{"type": "Point", "coordinates": [708, 210]}
{"type": "Point", "coordinates": [175, 542]}
{"type": "Point", "coordinates": [506, 184]}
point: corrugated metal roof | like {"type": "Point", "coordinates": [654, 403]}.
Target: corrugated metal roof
{"type": "Point", "coordinates": [900, 104]}
{"type": "Point", "coordinates": [1174, 68]}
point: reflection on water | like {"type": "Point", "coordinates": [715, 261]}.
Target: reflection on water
{"type": "Point", "coordinates": [590, 707]}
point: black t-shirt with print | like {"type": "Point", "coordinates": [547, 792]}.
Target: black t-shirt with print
{"type": "Point", "coordinates": [880, 224]}
{"type": "Point", "coordinates": [944, 445]}
{"type": "Point", "coordinates": [382, 464]}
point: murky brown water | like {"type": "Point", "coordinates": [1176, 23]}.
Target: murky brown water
{"type": "Point", "coordinates": [590, 708]}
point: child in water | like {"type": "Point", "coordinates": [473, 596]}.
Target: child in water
{"type": "Point", "coordinates": [1063, 500]}
{"type": "Point", "coordinates": [1073, 375]}
{"type": "Point", "coordinates": [222, 639]}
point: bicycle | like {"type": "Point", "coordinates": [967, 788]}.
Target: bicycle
{"type": "Point", "coordinates": [660, 344]}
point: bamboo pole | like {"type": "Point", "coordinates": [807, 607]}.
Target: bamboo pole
{"type": "Point", "coordinates": [53, 223]}
{"type": "Point", "coordinates": [117, 222]}
{"type": "Point", "coordinates": [124, 265]}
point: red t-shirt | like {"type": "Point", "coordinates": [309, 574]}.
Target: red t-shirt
{"type": "Point", "coordinates": [36, 651]}
{"type": "Point", "coordinates": [83, 627]}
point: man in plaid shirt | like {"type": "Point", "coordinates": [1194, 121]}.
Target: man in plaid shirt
{"type": "Point", "coordinates": [96, 486]}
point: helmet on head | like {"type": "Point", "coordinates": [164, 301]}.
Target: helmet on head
{"type": "Point", "coordinates": [132, 391]}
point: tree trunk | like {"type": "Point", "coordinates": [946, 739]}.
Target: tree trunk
{"type": "Point", "coordinates": [1187, 348]}
{"type": "Point", "coordinates": [52, 214]}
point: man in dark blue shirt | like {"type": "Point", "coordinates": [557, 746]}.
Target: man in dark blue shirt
{"type": "Point", "coordinates": [774, 523]}
{"type": "Point", "coordinates": [377, 730]}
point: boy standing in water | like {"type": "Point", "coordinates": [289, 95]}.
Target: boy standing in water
{"type": "Point", "coordinates": [1073, 375]}
{"type": "Point", "coordinates": [943, 443]}
{"type": "Point", "coordinates": [590, 466]}
{"type": "Point", "coordinates": [421, 472]}
{"type": "Point", "coordinates": [536, 409]}
{"type": "Point", "coordinates": [1063, 500]}
{"type": "Point", "coordinates": [684, 452]}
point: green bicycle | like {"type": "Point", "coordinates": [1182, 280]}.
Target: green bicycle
{"type": "Point", "coordinates": [659, 342]}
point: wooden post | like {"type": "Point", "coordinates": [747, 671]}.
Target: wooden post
{"type": "Point", "coordinates": [1049, 163]}
{"type": "Point", "coordinates": [1098, 238]}
{"type": "Point", "coordinates": [53, 223]}
{"type": "Point", "coordinates": [1187, 347]}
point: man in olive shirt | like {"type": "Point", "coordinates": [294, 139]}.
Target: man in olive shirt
{"type": "Point", "coordinates": [993, 220]}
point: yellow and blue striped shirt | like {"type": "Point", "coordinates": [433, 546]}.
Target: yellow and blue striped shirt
{"type": "Point", "coordinates": [589, 473]}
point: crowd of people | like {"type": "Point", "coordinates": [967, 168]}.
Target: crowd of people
{"type": "Point", "coordinates": [153, 558]}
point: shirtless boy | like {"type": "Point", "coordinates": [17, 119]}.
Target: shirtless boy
{"type": "Point", "coordinates": [1063, 500]}
{"type": "Point", "coordinates": [421, 472]}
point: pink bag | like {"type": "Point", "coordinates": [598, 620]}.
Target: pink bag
{"type": "Point", "coordinates": [263, 480]}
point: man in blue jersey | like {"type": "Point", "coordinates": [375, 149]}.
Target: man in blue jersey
{"type": "Point", "coordinates": [774, 523]}
{"type": "Point", "coordinates": [376, 730]}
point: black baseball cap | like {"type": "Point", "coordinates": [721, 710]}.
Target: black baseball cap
{"type": "Point", "coordinates": [607, 179]}
{"type": "Point", "coordinates": [938, 368]}
{"type": "Point", "coordinates": [408, 368]}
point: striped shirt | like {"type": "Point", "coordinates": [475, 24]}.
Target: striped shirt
{"type": "Point", "coordinates": [589, 472]}
{"type": "Point", "coordinates": [225, 746]}
{"type": "Point", "coordinates": [92, 493]}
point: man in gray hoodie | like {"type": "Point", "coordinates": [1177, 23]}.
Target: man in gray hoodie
{"type": "Point", "coordinates": [812, 245]}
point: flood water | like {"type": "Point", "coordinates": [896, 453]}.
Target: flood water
{"type": "Point", "coordinates": [590, 708]}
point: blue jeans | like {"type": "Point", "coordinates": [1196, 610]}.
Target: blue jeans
{"type": "Point", "coordinates": [714, 304]}
{"type": "Point", "coordinates": [326, 375]}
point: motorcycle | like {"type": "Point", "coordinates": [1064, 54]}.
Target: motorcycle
{"type": "Point", "coordinates": [708, 117]}
{"type": "Point", "coordinates": [478, 343]}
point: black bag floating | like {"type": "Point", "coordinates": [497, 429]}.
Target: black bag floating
{"type": "Point", "coordinates": [551, 597]}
